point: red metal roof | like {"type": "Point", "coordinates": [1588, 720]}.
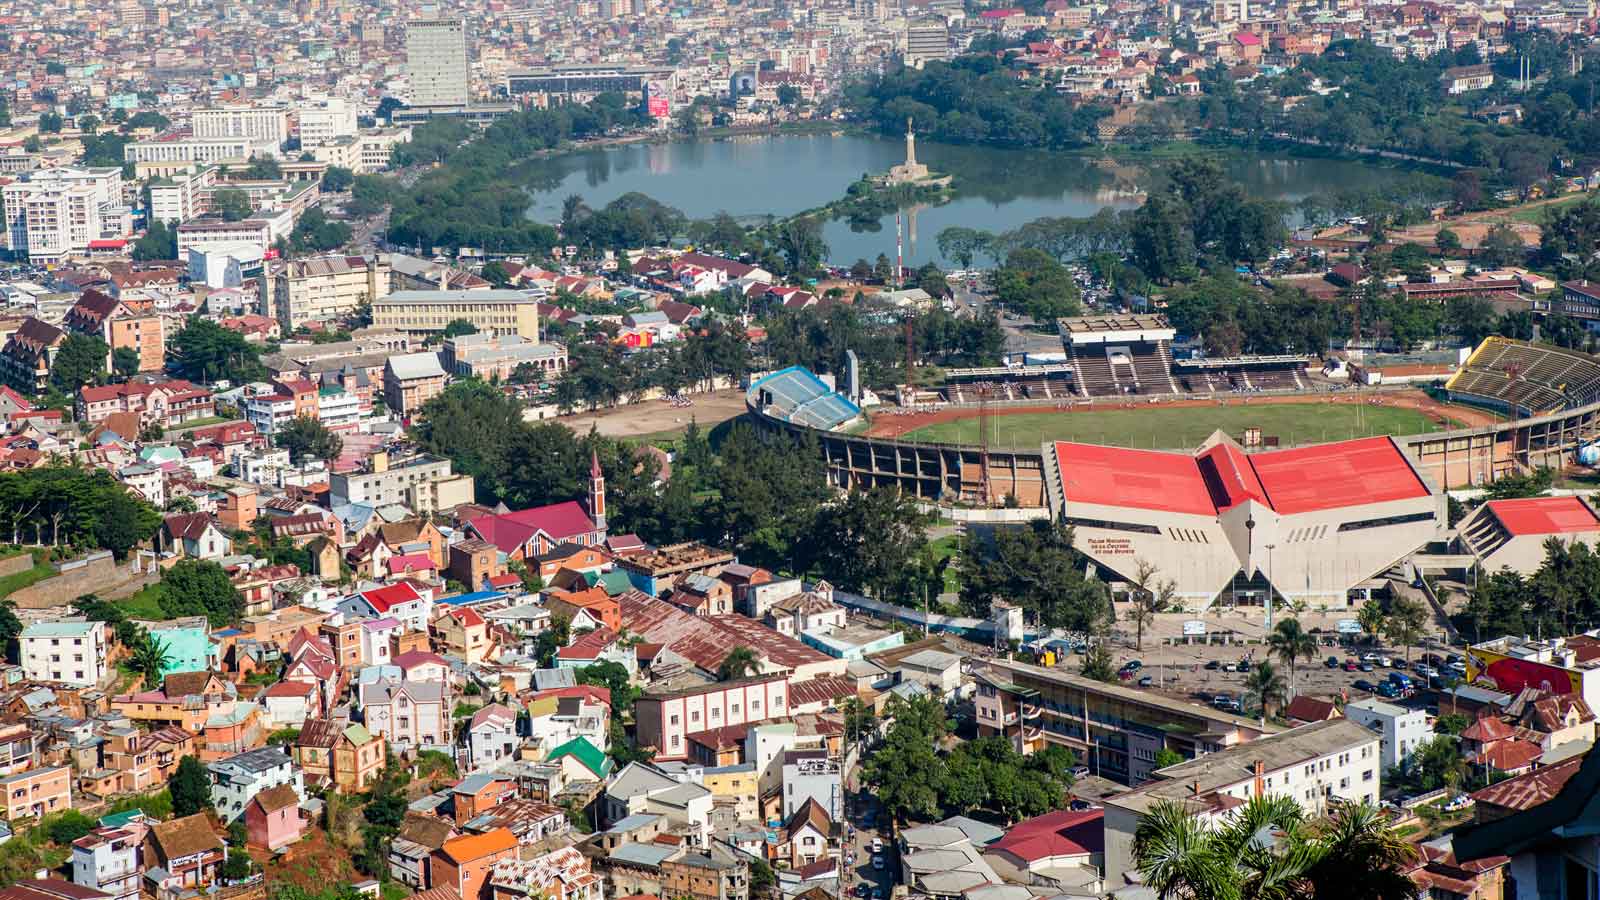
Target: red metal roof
{"type": "Point", "coordinates": [1142, 479]}
{"type": "Point", "coordinates": [1544, 515]}
{"type": "Point", "coordinates": [1331, 476]}
{"type": "Point", "coordinates": [1061, 833]}
{"type": "Point", "coordinates": [386, 598]}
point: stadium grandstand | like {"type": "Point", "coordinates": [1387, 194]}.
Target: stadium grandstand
{"type": "Point", "coordinates": [1241, 374]}
{"type": "Point", "coordinates": [796, 395]}
{"type": "Point", "coordinates": [1118, 355]}
{"type": "Point", "coordinates": [1308, 524]}
{"type": "Point", "coordinates": [1526, 378]}
{"type": "Point", "coordinates": [1052, 381]}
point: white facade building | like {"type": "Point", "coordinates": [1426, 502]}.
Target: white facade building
{"type": "Point", "coordinates": [1402, 729]}
{"type": "Point", "coordinates": [54, 213]}
{"type": "Point", "coordinates": [72, 653]}
{"type": "Point", "coordinates": [436, 62]}
{"type": "Point", "coordinates": [324, 118]}
{"type": "Point", "coordinates": [238, 778]}
{"type": "Point", "coordinates": [268, 124]}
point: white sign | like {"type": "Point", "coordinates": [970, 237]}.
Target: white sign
{"type": "Point", "coordinates": [1194, 628]}
{"type": "Point", "coordinates": [1349, 626]}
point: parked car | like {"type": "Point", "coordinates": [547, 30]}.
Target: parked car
{"type": "Point", "coordinates": [1080, 772]}
{"type": "Point", "coordinates": [1397, 663]}
{"type": "Point", "coordinates": [1133, 665]}
{"type": "Point", "coordinates": [1331, 662]}
{"type": "Point", "coordinates": [1365, 667]}
{"type": "Point", "coordinates": [1230, 667]}
{"type": "Point", "coordinates": [1388, 690]}
{"type": "Point", "coordinates": [1458, 667]}
{"type": "Point", "coordinates": [1424, 670]}
{"type": "Point", "coordinates": [877, 863]}
{"type": "Point", "coordinates": [1146, 681]}
{"type": "Point", "coordinates": [1361, 684]}
{"type": "Point", "coordinates": [1458, 802]}
{"type": "Point", "coordinates": [877, 845]}
{"type": "Point", "coordinates": [1244, 665]}
{"type": "Point", "coordinates": [1125, 674]}
{"type": "Point", "coordinates": [1370, 657]}
{"type": "Point", "coordinates": [1214, 665]}
{"type": "Point", "coordinates": [1351, 665]}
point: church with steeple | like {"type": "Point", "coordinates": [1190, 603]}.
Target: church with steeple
{"type": "Point", "coordinates": [524, 534]}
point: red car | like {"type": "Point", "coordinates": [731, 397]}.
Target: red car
{"type": "Point", "coordinates": [1351, 665]}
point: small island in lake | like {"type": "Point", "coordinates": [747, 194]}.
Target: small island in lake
{"type": "Point", "coordinates": [911, 172]}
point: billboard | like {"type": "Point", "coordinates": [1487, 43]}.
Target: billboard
{"type": "Point", "coordinates": [657, 99]}
{"type": "Point", "coordinates": [1510, 675]}
{"type": "Point", "coordinates": [1194, 628]}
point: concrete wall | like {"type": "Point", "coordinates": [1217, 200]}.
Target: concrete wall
{"type": "Point", "coordinates": [11, 565]}
{"type": "Point", "coordinates": [92, 576]}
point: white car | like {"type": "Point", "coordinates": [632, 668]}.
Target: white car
{"type": "Point", "coordinates": [877, 845]}
{"type": "Point", "coordinates": [1426, 671]}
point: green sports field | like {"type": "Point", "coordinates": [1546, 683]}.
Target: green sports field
{"type": "Point", "coordinates": [1180, 427]}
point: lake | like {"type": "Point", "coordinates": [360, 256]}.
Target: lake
{"type": "Point", "coordinates": [755, 176]}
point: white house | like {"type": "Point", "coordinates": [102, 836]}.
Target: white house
{"type": "Point", "coordinates": [72, 653]}
{"type": "Point", "coordinates": [402, 602]}
{"type": "Point", "coordinates": [375, 637]}
{"type": "Point", "coordinates": [410, 715]}
{"type": "Point", "coordinates": [492, 736]}
{"type": "Point", "coordinates": [1401, 729]}
{"type": "Point", "coordinates": [238, 778]}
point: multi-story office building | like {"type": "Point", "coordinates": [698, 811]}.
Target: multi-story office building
{"type": "Point", "coordinates": [324, 118]}
{"type": "Point", "coordinates": [173, 154]}
{"type": "Point", "coordinates": [420, 313]}
{"type": "Point", "coordinates": [423, 483]}
{"type": "Point", "coordinates": [320, 288]}
{"type": "Point", "coordinates": [1116, 730]}
{"type": "Point", "coordinates": [1313, 764]}
{"type": "Point", "coordinates": [927, 39]}
{"type": "Point", "coordinates": [436, 62]}
{"type": "Point", "coordinates": [260, 231]}
{"type": "Point", "coordinates": [1400, 730]}
{"type": "Point", "coordinates": [490, 356]}
{"type": "Point", "coordinates": [182, 196]}
{"type": "Point", "coordinates": [54, 213]}
{"type": "Point", "coordinates": [268, 124]}
{"type": "Point", "coordinates": [376, 148]}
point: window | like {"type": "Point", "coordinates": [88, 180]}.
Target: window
{"type": "Point", "coordinates": [1367, 775]}
{"type": "Point", "coordinates": [694, 716]}
{"type": "Point", "coordinates": [674, 720]}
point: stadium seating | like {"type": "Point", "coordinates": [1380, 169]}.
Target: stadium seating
{"type": "Point", "coordinates": [1538, 378]}
{"type": "Point", "coordinates": [1094, 374]}
{"type": "Point", "coordinates": [795, 395]}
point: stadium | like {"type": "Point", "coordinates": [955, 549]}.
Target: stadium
{"type": "Point", "coordinates": [1230, 436]}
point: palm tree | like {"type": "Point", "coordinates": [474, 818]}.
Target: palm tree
{"type": "Point", "coordinates": [1267, 685]}
{"type": "Point", "coordinates": [1370, 617]}
{"type": "Point", "coordinates": [149, 658]}
{"type": "Point", "coordinates": [740, 662]}
{"type": "Point", "coordinates": [1291, 643]}
{"type": "Point", "coordinates": [1266, 851]}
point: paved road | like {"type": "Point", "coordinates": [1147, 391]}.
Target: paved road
{"type": "Point", "coordinates": [860, 806]}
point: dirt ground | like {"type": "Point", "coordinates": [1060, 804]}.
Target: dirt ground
{"type": "Point", "coordinates": [656, 417]}
{"type": "Point", "coordinates": [894, 424]}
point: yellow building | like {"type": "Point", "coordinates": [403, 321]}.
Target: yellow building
{"type": "Point", "coordinates": [421, 313]}
{"type": "Point", "coordinates": [736, 787]}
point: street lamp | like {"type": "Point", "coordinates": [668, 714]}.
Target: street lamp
{"type": "Point", "coordinates": [1270, 585]}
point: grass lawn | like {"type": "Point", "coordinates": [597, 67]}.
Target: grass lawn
{"type": "Point", "coordinates": [1536, 214]}
{"type": "Point", "coordinates": [945, 548]}
{"type": "Point", "coordinates": [1179, 427]}
{"type": "Point", "coordinates": [20, 580]}
{"type": "Point", "coordinates": [144, 604]}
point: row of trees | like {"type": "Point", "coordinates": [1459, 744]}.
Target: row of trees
{"type": "Point", "coordinates": [915, 779]}
{"type": "Point", "coordinates": [71, 507]}
{"type": "Point", "coordinates": [1561, 597]}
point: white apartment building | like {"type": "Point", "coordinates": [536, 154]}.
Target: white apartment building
{"type": "Point", "coordinates": [423, 483]}
{"type": "Point", "coordinates": [238, 778]}
{"type": "Point", "coordinates": [322, 119]}
{"type": "Point", "coordinates": [72, 653]}
{"type": "Point", "coordinates": [269, 411]}
{"type": "Point", "coordinates": [54, 213]}
{"type": "Point", "coordinates": [338, 409]}
{"type": "Point", "coordinates": [183, 196]}
{"type": "Point", "coordinates": [261, 231]}
{"type": "Point", "coordinates": [1309, 764]}
{"type": "Point", "coordinates": [377, 148]}
{"type": "Point", "coordinates": [1401, 729]}
{"type": "Point", "coordinates": [172, 154]}
{"type": "Point", "coordinates": [264, 124]}
{"type": "Point", "coordinates": [107, 860]}
{"type": "Point", "coordinates": [436, 62]}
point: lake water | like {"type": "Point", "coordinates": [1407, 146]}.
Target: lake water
{"type": "Point", "coordinates": [751, 177]}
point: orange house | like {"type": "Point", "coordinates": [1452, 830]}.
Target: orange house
{"type": "Point", "coordinates": [594, 600]}
{"type": "Point", "coordinates": [464, 863]}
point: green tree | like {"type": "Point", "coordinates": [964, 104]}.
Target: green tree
{"type": "Point", "coordinates": [800, 241]}
{"type": "Point", "coordinates": [125, 362]}
{"type": "Point", "coordinates": [1406, 623]}
{"type": "Point", "coordinates": [203, 351]}
{"type": "Point", "coordinates": [1035, 284]}
{"type": "Point", "coordinates": [307, 439]}
{"type": "Point", "coordinates": [459, 327]}
{"type": "Point", "coordinates": [1098, 664]}
{"type": "Point", "coordinates": [338, 179]}
{"type": "Point", "coordinates": [867, 542]}
{"type": "Point", "coordinates": [1167, 756]}
{"type": "Point", "coordinates": [495, 273]}
{"type": "Point", "coordinates": [50, 123]}
{"type": "Point", "coordinates": [150, 659]}
{"type": "Point", "coordinates": [741, 662]}
{"type": "Point", "coordinates": [190, 787]}
{"type": "Point", "coordinates": [1370, 617]}
{"type": "Point", "coordinates": [69, 825]}
{"type": "Point", "coordinates": [1266, 686]}
{"type": "Point", "coordinates": [262, 168]}
{"type": "Point", "coordinates": [10, 631]}
{"type": "Point", "coordinates": [193, 587]}
{"type": "Point", "coordinates": [80, 361]}
{"type": "Point", "coordinates": [1502, 246]}
{"type": "Point", "coordinates": [1291, 643]}
{"type": "Point", "coordinates": [1036, 567]}
{"type": "Point", "coordinates": [1447, 240]}
{"type": "Point", "coordinates": [159, 242]}
{"type": "Point", "coordinates": [232, 204]}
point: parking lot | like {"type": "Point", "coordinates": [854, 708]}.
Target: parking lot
{"type": "Point", "coordinates": [1200, 673]}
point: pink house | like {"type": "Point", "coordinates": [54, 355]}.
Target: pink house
{"type": "Point", "coordinates": [272, 819]}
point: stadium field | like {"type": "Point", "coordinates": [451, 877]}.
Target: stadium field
{"type": "Point", "coordinates": [1178, 427]}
